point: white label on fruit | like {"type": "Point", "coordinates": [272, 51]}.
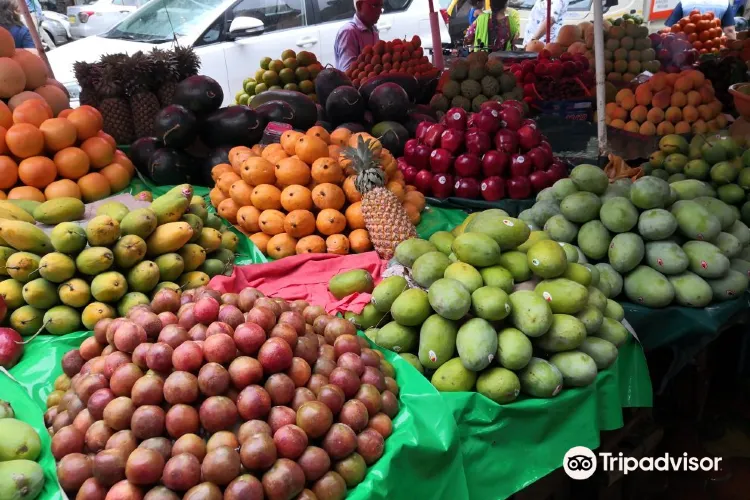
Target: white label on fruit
{"type": "Point", "coordinates": [494, 113]}
{"type": "Point", "coordinates": [530, 226]}
{"type": "Point", "coordinates": [396, 348]}
{"type": "Point", "coordinates": [521, 159]}
{"type": "Point", "coordinates": [516, 392]}
{"type": "Point", "coordinates": [456, 116]}
{"type": "Point", "coordinates": [547, 296]}
{"type": "Point", "coordinates": [441, 180]}
{"type": "Point", "coordinates": [491, 357]}
{"type": "Point", "coordinates": [507, 222]}
{"type": "Point", "coordinates": [557, 390]}
{"type": "Point", "coordinates": [432, 355]}
{"type": "Point", "coordinates": [484, 186]}
{"type": "Point", "coordinates": [507, 307]}
{"type": "Point", "coordinates": [535, 262]}
{"type": "Point", "coordinates": [456, 184]}
{"type": "Point", "coordinates": [433, 152]}
{"type": "Point", "coordinates": [562, 244]}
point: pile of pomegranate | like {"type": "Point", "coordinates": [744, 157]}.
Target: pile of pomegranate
{"type": "Point", "coordinates": [208, 396]}
{"type": "Point", "coordinates": [493, 154]}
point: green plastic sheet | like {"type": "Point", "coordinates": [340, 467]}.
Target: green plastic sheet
{"type": "Point", "coordinates": [513, 207]}
{"type": "Point", "coordinates": [422, 453]}
{"type": "Point", "coordinates": [436, 219]}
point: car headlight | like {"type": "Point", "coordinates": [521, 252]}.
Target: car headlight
{"type": "Point", "coordinates": [55, 23]}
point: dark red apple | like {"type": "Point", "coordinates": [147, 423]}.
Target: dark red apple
{"type": "Point", "coordinates": [442, 185]}
{"type": "Point", "coordinates": [467, 187]}
{"type": "Point", "coordinates": [539, 180]}
{"type": "Point", "coordinates": [421, 157]}
{"type": "Point", "coordinates": [477, 141]}
{"type": "Point", "coordinates": [529, 137]}
{"type": "Point", "coordinates": [511, 116]}
{"type": "Point", "coordinates": [529, 122]}
{"type": "Point", "coordinates": [452, 140]}
{"type": "Point", "coordinates": [421, 129]}
{"type": "Point", "coordinates": [409, 174]}
{"type": "Point", "coordinates": [539, 158]}
{"type": "Point", "coordinates": [410, 148]}
{"type": "Point", "coordinates": [520, 165]}
{"type": "Point", "coordinates": [486, 122]}
{"type": "Point", "coordinates": [441, 161]}
{"type": "Point", "coordinates": [467, 165]}
{"type": "Point", "coordinates": [546, 146]}
{"type": "Point", "coordinates": [493, 188]}
{"type": "Point", "coordinates": [423, 182]}
{"type": "Point", "coordinates": [495, 163]}
{"type": "Point", "coordinates": [490, 105]}
{"type": "Point", "coordinates": [432, 136]}
{"type": "Point", "coordinates": [506, 141]}
{"type": "Point", "coordinates": [456, 118]}
{"type": "Point", "coordinates": [519, 188]}
{"type": "Point", "coordinates": [557, 171]}
{"type": "Point", "coordinates": [402, 163]}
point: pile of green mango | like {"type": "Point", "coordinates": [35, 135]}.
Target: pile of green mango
{"type": "Point", "coordinates": [718, 160]}
{"type": "Point", "coordinates": [21, 478]}
{"type": "Point", "coordinates": [655, 243]}
{"type": "Point", "coordinates": [497, 308]}
{"type": "Point", "coordinates": [80, 272]}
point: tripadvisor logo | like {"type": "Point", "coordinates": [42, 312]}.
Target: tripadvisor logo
{"type": "Point", "coordinates": [581, 463]}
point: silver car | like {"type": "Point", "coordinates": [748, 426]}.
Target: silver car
{"type": "Point", "coordinates": [93, 17]}
{"type": "Point", "coordinates": [57, 27]}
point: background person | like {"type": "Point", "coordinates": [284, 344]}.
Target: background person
{"type": "Point", "coordinates": [10, 19]}
{"type": "Point", "coordinates": [722, 9]}
{"type": "Point", "coordinates": [357, 33]}
{"type": "Point", "coordinates": [536, 29]}
{"type": "Point", "coordinates": [497, 29]}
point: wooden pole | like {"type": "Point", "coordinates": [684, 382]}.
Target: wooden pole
{"type": "Point", "coordinates": [600, 77]}
{"type": "Point", "coordinates": [31, 25]}
{"type": "Point", "coordinates": [549, 19]}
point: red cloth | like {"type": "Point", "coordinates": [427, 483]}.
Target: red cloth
{"type": "Point", "coordinates": [304, 277]}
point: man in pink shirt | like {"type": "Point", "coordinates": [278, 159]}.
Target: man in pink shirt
{"type": "Point", "coordinates": [357, 33]}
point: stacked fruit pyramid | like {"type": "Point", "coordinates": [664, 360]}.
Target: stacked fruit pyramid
{"type": "Point", "coordinates": [656, 243]}
{"type": "Point", "coordinates": [474, 312]}
{"type": "Point", "coordinates": [43, 157]}
{"type": "Point", "coordinates": [628, 50]}
{"type": "Point", "coordinates": [474, 80]}
{"type": "Point", "coordinates": [668, 103]}
{"type": "Point", "coordinates": [217, 398]}
{"type": "Point", "coordinates": [318, 192]}
{"type": "Point", "coordinates": [717, 160]}
{"type": "Point", "coordinates": [20, 447]}
{"type": "Point", "coordinates": [76, 274]}
{"type": "Point", "coordinates": [392, 57]}
{"type": "Point", "coordinates": [130, 90]}
{"type": "Point", "coordinates": [293, 71]}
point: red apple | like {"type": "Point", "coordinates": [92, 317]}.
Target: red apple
{"type": "Point", "coordinates": [519, 188]}
{"type": "Point", "coordinates": [490, 105]}
{"type": "Point", "coordinates": [409, 174]}
{"type": "Point", "coordinates": [493, 188]}
{"type": "Point", "coordinates": [441, 161]}
{"type": "Point", "coordinates": [486, 122]}
{"type": "Point", "coordinates": [421, 129]}
{"type": "Point", "coordinates": [421, 157]}
{"type": "Point", "coordinates": [539, 159]}
{"type": "Point", "coordinates": [11, 347]}
{"type": "Point", "coordinates": [423, 182]}
{"type": "Point", "coordinates": [546, 146]}
{"type": "Point", "coordinates": [557, 171]}
{"type": "Point", "coordinates": [477, 141]}
{"type": "Point", "coordinates": [432, 136]}
{"type": "Point", "coordinates": [529, 122]}
{"type": "Point", "coordinates": [467, 165]}
{"type": "Point", "coordinates": [539, 180]}
{"type": "Point", "coordinates": [442, 185]}
{"type": "Point", "coordinates": [402, 163]}
{"type": "Point", "coordinates": [513, 103]}
{"type": "Point", "coordinates": [528, 137]}
{"type": "Point", "coordinates": [452, 140]}
{"type": "Point", "coordinates": [511, 116]}
{"type": "Point", "coordinates": [467, 187]}
{"type": "Point", "coordinates": [520, 165]}
{"type": "Point", "coordinates": [409, 149]}
{"type": "Point", "coordinates": [456, 118]}
{"type": "Point", "coordinates": [506, 141]}
{"type": "Point", "coordinates": [495, 163]}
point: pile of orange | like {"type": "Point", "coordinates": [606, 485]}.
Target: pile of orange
{"type": "Point", "coordinates": [44, 157]}
{"type": "Point", "coordinates": [703, 31]}
{"type": "Point", "coordinates": [298, 196]}
{"type": "Point", "coordinates": [668, 103]}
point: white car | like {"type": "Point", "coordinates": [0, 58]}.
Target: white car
{"type": "Point", "coordinates": [232, 36]}
{"type": "Point", "coordinates": [97, 16]}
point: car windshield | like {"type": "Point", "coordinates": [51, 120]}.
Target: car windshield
{"type": "Point", "coordinates": [89, 2]}
{"type": "Point", "coordinates": [159, 21]}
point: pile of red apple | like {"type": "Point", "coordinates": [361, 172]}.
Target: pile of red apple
{"type": "Point", "coordinates": [674, 51]}
{"type": "Point", "coordinates": [490, 155]}
{"type": "Point", "coordinates": [554, 79]}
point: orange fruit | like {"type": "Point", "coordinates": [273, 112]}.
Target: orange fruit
{"type": "Point", "coordinates": [266, 197]}
{"type": "Point", "coordinates": [94, 186]}
{"type": "Point", "coordinates": [299, 223]}
{"type": "Point", "coordinates": [85, 120]}
{"type": "Point", "coordinates": [8, 172]}
{"type": "Point", "coordinates": [58, 134]}
{"type": "Point", "coordinates": [228, 209]}
{"type": "Point", "coordinates": [64, 188]}
{"type": "Point", "coordinates": [72, 163]}
{"type": "Point", "coordinates": [37, 171]}
{"type": "Point", "coordinates": [219, 170]}
{"type": "Point", "coordinates": [247, 218]}
{"type": "Point", "coordinates": [296, 197]}
{"type": "Point", "coordinates": [26, 193]}
{"type": "Point", "coordinates": [280, 246]}
{"type": "Point", "coordinates": [33, 111]}
{"type": "Point", "coordinates": [359, 241]}
{"type": "Point", "coordinates": [6, 116]}
{"type": "Point", "coordinates": [24, 140]}
{"type": "Point", "coordinates": [330, 221]}
{"type": "Point", "coordinates": [122, 159]}
{"type": "Point", "coordinates": [337, 244]}
{"type": "Point", "coordinates": [111, 140]}
{"type": "Point", "coordinates": [99, 151]}
{"type": "Point", "coordinates": [311, 244]}
{"type": "Point", "coordinates": [117, 175]}
{"type": "Point", "coordinates": [260, 240]}
{"type": "Point", "coordinates": [257, 170]}
{"type": "Point", "coordinates": [354, 216]}
{"type": "Point", "coordinates": [328, 195]}
{"type": "Point", "coordinates": [309, 149]}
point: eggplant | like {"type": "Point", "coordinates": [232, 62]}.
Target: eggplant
{"type": "Point", "coordinates": [141, 151]}
{"type": "Point", "coordinates": [233, 126]}
{"type": "Point", "coordinates": [305, 111]}
{"type": "Point", "coordinates": [200, 94]}
{"type": "Point", "coordinates": [276, 111]}
{"type": "Point", "coordinates": [168, 167]}
{"type": "Point", "coordinates": [407, 82]}
{"type": "Point", "coordinates": [389, 102]}
{"type": "Point", "coordinates": [345, 104]}
{"type": "Point", "coordinates": [327, 80]}
{"type": "Point", "coordinates": [176, 126]}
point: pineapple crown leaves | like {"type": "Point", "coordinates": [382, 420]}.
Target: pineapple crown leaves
{"type": "Point", "coordinates": [110, 81]}
{"type": "Point", "coordinates": [369, 173]}
{"type": "Point", "coordinates": [187, 61]}
{"type": "Point", "coordinates": [164, 65]}
{"type": "Point", "coordinates": [140, 70]}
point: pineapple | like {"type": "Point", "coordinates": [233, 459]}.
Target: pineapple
{"type": "Point", "coordinates": [113, 105]}
{"type": "Point", "coordinates": [144, 105]}
{"type": "Point", "coordinates": [166, 75]}
{"type": "Point", "coordinates": [87, 75]}
{"type": "Point", "coordinates": [385, 218]}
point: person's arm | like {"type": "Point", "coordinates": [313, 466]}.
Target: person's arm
{"type": "Point", "coordinates": [26, 41]}
{"type": "Point", "coordinates": [675, 16]}
{"type": "Point", "coordinates": [555, 12]}
{"type": "Point", "coordinates": [346, 48]}
{"type": "Point", "coordinates": [727, 23]}
{"type": "Point", "coordinates": [470, 33]}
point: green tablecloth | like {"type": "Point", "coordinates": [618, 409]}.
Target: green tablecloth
{"type": "Point", "coordinates": [513, 207]}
